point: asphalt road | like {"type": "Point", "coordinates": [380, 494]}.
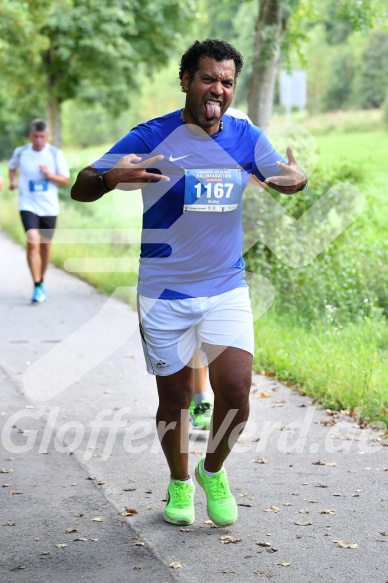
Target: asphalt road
{"type": "Point", "coordinates": [79, 443]}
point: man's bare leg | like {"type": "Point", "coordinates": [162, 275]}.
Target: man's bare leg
{"type": "Point", "coordinates": [45, 254]}
{"type": "Point", "coordinates": [231, 379]}
{"type": "Point", "coordinates": [175, 394]}
{"type": "Point", "coordinates": [34, 258]}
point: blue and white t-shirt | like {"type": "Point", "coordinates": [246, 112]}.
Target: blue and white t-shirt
{"type": "Point", "coordinates": [37, 194]}
{"type": "Point", "coordinates": [192, 225]}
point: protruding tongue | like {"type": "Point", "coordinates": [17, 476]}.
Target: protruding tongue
{"type": "Point", "coordinates": [212, 110]}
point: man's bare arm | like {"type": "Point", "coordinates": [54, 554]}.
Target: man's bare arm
{"type": "Point", "coordinates": [86, 187]}
{"type": "Point", "coordinates": [59, 179]}
{"type": "Point", "coordinates": [128, 174]}
{"type": "Point", "coordinates": [13, 182]}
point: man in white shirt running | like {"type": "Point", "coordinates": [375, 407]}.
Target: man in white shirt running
{"type": "Point", "coordinates": [41, 168]}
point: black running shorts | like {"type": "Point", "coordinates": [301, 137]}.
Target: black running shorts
{"type": "Point", "coordinates": [45, 225]}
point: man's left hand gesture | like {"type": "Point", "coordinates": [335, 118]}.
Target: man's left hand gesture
{"type": "Point", "coordinates": [290, 179]}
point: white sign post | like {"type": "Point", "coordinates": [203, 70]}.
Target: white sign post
{"type": "Point", "coordinates": [293, 90]}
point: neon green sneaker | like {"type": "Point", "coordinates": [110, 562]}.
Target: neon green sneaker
{"type": "Point", "coordinates": [201, 415]}
{"type": "Point", "coordinates": [180, 503]}
{"type": "Point", "coordinates": [221, 505]}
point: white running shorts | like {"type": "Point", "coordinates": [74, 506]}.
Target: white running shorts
{"type": "Point", "coordinates": [171, 330]}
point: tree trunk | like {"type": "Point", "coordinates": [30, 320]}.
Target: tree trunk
{"type": "Point", "coordinates": [54, 119]}
{"type": "Point", "coordinates": [269, 30]}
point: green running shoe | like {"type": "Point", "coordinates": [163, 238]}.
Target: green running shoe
{"type": "Point", "coordinates": [201, 415]}
{"type": "Point", "coordinates": [221, 505]}
{"type": "Point", "coordinates": [180, 503]}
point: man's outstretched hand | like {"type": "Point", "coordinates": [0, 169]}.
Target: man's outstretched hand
{"type": "Point", "coordinates": [291, 178]}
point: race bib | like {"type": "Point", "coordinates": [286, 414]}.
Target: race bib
{"type": "Point", "coordinates": [38, 185]}
{"type": "Point", "coordinates": [212, 189]}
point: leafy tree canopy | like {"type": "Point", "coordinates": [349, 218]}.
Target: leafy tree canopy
{"type": "Point", "coordinates": [55, 50]}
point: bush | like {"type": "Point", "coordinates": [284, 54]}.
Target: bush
{"type": "Point", "coordinates": [343, 284]}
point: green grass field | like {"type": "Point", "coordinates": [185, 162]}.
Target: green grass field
{"type": "Point", "coordinates": [342, 367]}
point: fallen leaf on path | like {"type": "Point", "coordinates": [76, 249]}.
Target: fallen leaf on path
{"type": "Point", "coordinates": [14, 493]}
{"type": "Point", "coordinates": [225, 539]}
{"type": "Point", "coordinates": [69, 530]}
{"type": "Point", "coordinates": [345, 545]}
{"type": "Point", "coordinates": [384, 533]}
{"type": "Point", "coordinates": [5, 470]}
{"type": "Point", "coordinates": [272, 509]}
{"type": "Point", "coordinates": [79, 515]}
{"type": "Point", "coordinates": [101, 482]}
{"type": "Point", "coordinates": [18, 567]}
{"type": "Point", "coordinates": [183, 529]}
{"type": "Point", "coordinates": [129, 512]}
{"type": "Point", "coordinates": [129, 489]}
{"type": "Point", "coordinates": [91, 478]}
{"type": "Point", "coordinates": [139, 543]}
{"type": "Point", "coordinates": [97, 519]}
{"type": "Point", "coordinates": [61, 545]}
{"type": "Point", "coordinates": [81, 539]}
{"type": "Point", "coordinates": [284, 564]}
{"type": "Point", "coordinates": [264, 544]}
{"type": "Point", "coordinates": [321, 463]}
{"type": "Point", "coordinates": [260, 460]}
{"type": "Point", "coordinates": [10, 523]}
{"type": "Point", "coordinates": [175, 565]}
{"type": "Point", "coordinates": [304, 511]}
{"type": "Point", "coordinates": [298, 523]}
{"type": "Point", "coordinates": [326, 511]}
{"type": "Point", "coordinates": [6, 485]}
{"type": "Point", "coordinates": [244, 504]}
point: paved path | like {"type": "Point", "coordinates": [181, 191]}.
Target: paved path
{"type": "Point", "coordinates": [77, 414]}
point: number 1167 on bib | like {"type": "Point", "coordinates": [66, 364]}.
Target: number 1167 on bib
{"type": "Point", "coordinates": [216, 190]}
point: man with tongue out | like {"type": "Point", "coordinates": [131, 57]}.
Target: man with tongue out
{"type": "Point", "coordinates": [193, 166]}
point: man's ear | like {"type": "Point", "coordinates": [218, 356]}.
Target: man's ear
{"type": "Point", "coordinates": [185, 80]}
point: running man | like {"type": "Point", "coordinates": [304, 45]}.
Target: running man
{"type": "Point", "coordinates": [193, 165]}
{"type": "Point", "coordinates": [42, 169]}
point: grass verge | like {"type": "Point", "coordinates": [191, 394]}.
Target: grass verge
{"type": "Point", "coordinates": [343, 369]}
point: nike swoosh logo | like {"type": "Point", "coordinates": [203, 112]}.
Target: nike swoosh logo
{"type": "Point", "coordinates": [172, 159]}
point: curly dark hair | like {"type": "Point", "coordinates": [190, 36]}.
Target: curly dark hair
{"type": "Point", "coordinates": [218, 50]}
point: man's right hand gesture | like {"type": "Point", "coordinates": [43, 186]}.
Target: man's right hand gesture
{"type": "Point", "coordinates": [130, 173]}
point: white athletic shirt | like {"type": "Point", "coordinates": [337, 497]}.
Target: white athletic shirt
{"type": "Point", "coordinates": [37, 194]}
